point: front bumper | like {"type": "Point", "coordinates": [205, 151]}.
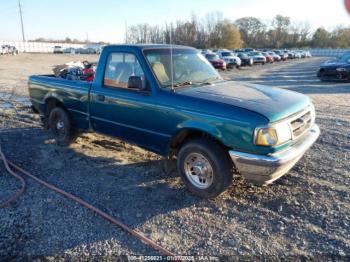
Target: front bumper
{"type": "Point", "coordinates": [333, 75]}
{"type": "Point", "coordinates": [264, 169]}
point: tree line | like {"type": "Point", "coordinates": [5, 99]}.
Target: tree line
{"type": "Point", "coordinates": [215, 31]}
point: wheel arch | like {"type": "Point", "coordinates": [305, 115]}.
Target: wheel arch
{"type": "Point", "coordinates": [50, 103]}
{"type": "Point", "coordinates": [187, 133]}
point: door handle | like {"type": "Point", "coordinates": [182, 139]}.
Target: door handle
{"type": "Point", "coordinates": [101, 98]}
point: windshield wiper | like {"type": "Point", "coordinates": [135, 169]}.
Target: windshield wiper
{"type": "Point", "coordinates": [209, 81]}
{"type": "Point", "coordinates": [180, 84]}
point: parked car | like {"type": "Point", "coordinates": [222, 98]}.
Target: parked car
{"type": "Point", "coordinates": [245, 59]}
{"type": "Point", "coordinates": [283, 55]}
{"type": "Point", "coordinates": [69, 50]}
{"type": "Point", "coordinates": [276, 57]}
{"type": "Point", "coordinates": [248, 49]}
{"type": "Point", "coordinates": [269, 58]}
{"type": "Point", "coordinates": [290, 54]}
{"type": "Point", "coordinates": [58, 49]}
{"type": "Point", "coordinates": [8, 50]}
{"type": "Point", "coordinates": [230, 58]}
{"type": "Point", "coordinates": [335, 70]}
{"type": "Point", "coordinates": [308, 54]}
{"type": "Point", "coordinates": [210, 125]}
{"type": "Point", "coordinates": [206, 51]}
{"type": "Point", "coordinates": [13, 50]}
{"type": "Point", "coordinates": [258, 57]}
{"type": "Point", "coordinates": [215, 60]}
{"type": "Point", "coordinates": [297, 54]}
{"type": "Point", "coordinates": [4, 50]}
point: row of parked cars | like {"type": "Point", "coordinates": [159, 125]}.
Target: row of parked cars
{"type": "Point", "coordinates": [71, 50]}
{"type": "Point", "coordinates": [224, 59]}
{"type": "Point", "coordinates": [8, 50]}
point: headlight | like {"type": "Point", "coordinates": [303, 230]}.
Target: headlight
{"type": "Point", "coordinates": [341, 69]}
{"type": "Point", "coordinates": [273, 135]}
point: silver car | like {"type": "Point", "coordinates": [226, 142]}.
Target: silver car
{"type": "Point", "coordinates": [258, 57]}
{"type": "Point", "coordinates": [230, 58]}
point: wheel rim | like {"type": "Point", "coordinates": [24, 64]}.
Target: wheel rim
{"type": "Point", "coordinates": [60, 128]}
{"type": "Point", "coordinates": [198, 170]}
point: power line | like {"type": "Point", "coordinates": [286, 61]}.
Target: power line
{"type": "Point", "coordinates": [20, 14]}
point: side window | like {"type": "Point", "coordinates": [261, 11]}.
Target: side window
{"type": "Point", "coordinates": [119, 68]}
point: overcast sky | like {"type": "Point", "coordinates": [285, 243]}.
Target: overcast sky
{"type": "Point", "coordinates": [105, 19]}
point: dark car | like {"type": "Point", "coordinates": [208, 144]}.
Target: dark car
{"type": "Point", "coordinates": [245, 59]}
{"type": "Point", "coordinates": [336, 70]}
{"type": "Point", "coordinates": [215, 60]}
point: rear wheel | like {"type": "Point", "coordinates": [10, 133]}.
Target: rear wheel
{"type": "Point", "coordinates": [61, 126]}
{"type": "Point", "coordinates": [204, 167]}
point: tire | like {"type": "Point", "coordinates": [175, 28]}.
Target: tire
{"type": "Point", "coordinates": [199, 154]}
{"type": "Point", "coordinates": [61, 127]}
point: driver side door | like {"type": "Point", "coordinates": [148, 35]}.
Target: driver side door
{"type": "Point", "coordinates": [127, 113]}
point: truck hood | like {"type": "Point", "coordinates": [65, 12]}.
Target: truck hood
{"type": "Point", "coordinates": [273, 103]}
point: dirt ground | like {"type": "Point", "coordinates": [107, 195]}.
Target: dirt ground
{"type": "Point", "coordinates": [305, 214]}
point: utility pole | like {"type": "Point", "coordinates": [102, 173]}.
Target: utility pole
{"type": "Point", "coordinates": [20, 14]}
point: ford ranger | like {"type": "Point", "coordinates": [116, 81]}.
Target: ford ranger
{"type": "Point", "coordinates": [171, 101]}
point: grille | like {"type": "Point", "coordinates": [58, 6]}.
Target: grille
{"type": "Point", "coordinates": [301, 124]}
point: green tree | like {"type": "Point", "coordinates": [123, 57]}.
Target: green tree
{"type": "Point", "coordinates": [251, 30]}
{"type": "Point", "coordinates": [227, 35]}
{"type": "Point", "coordinates": [280, 26]}
{"type": "Point", "coordinates": [321, 38]}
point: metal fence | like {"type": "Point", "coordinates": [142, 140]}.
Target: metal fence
{"type": "Point", "coordinates": [328, 52]}
{"type": "Point", "coordinates": [38, 47]}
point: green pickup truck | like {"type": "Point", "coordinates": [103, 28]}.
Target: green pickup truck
{"type": "Point", "coordinates": [171, 101]}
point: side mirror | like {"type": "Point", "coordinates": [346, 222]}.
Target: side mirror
{"type": "Point", "coordinates": [135, 82]}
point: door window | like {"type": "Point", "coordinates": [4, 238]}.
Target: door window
{"type": "Point", "coordinates": [119, 68]}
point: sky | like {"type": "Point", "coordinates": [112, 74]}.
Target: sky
{"type": "Point", "coordinates": [105, 20]}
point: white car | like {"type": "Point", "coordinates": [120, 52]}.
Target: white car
{"type": "Point", "coordinates": [58, 49]}
{"type": "Point", "coordinates": [4, 50]}
{"type": "Point", "coordinates": [230, 58]}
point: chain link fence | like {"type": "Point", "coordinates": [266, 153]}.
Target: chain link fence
{"type": "Point", "coordinates": [44, 47]}
{"type": "Point", "coordinates": [328, 52]}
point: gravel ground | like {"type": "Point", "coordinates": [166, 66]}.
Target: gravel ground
{"type": "Point", "coordinates": [305, 214]}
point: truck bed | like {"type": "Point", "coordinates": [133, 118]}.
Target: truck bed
{"type": "Point", "coordinates": [73, 94]}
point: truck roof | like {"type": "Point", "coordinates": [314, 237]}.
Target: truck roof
{"type": "Point", "coordinates": [147, 46]}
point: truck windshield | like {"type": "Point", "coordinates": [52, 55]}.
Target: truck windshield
{"type": "Point", "coordinates": [189, 67]}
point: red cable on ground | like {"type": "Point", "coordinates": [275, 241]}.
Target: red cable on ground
{"type": "Point", "coordinates": [104, 215]}
{"type": "Point", "coordinates": [15, 196]}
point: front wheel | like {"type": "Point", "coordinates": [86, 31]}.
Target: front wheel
{"type": "Point", "coordinates": [61, 126]}
{"type": "Point", "coordinates": [204, 167]}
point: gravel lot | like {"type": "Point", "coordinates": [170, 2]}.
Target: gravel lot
{"type": "Point", "coordinates": [305, 214]}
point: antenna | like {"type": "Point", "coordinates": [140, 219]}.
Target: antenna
{"type": "Point", "coordinates": [126, 32]}
{"type": "Point", "coordinates": [171, 58]}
